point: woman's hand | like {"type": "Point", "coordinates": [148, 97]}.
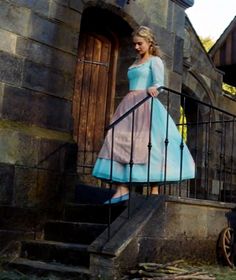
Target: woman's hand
{"type": "Point", "coordinates": [152, 91]}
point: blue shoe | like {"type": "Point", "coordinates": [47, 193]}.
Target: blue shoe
{"type": "Point", "coordinates": [117, 199]}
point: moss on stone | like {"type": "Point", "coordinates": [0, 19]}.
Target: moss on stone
{"type": "Point", "coordinates": [36, 131]}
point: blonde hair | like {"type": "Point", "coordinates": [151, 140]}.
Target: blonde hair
{"type": "Point", "coordinates": [147, 34]}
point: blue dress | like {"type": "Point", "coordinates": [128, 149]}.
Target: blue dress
{"type": "Point", "coordinates": [142, 76]}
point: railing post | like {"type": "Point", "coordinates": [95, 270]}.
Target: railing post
{"type": "Point", "coordinates": [207, 154]}
{"type": "Point", "coordinates": [196, 152]}
{"type": "Point", "coordinates": [131, 163]}
{"type": "Point", "coordinates": [149, 150]}
{"type": "Point", "coordinates": [232, 159]}
{"type": "Point", "coordinates": [166, 139]}
{"type": "Point", "coordinates": [110, 183]}
{"type": "Point", "coordinates": [182, 149]}
{"type": "Point", "coordinates": [221, 158]}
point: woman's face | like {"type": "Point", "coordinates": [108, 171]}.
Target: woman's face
{"type": "Point", "coordinates": [141, 45]}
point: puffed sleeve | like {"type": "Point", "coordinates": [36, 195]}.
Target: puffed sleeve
{"type": "Point", "coordinates": [157, 68]}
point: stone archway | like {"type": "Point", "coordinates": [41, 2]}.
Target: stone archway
{"type": "Point", "coordinates": [203, 137]}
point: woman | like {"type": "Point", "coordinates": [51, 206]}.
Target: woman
{"type": "Point", "coordinates": [145, 75]}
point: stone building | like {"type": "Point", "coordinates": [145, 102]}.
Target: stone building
{"type": "Point", "coordinates": [63, 67]}
{"type": "Point", "coordinates": [63, 72]}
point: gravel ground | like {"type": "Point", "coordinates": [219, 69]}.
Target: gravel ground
{"type": "Point", "coordinates": [220, 273]}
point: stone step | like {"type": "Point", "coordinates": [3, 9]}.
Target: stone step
{"type": "Point", "coordinates": [43, 269]}
{"type": "Point", "coordinates": [72, 232]}
{"type": "Point", "coordinates": [6, 236]}
{"type": "Point", "coordinates": [92, 213]}
{"type": "Point", "coordinates": [52, 251]}
{"type": "Point", "coordinates": [87, 194]}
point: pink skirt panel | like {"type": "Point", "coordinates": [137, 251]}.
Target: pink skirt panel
{"type": "Point", "coordinates": [123, 131]}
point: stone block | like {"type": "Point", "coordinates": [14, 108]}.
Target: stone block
{"type": "Point", "coordinates": [17, 148]}
{"type": "Point", "coordinates": [176, 19]}
{"type": "Point", "coordinates": [64, 14]}
{"type": "Point", "coordinates": [62, 2]}
{"type": "Point", "coordinates": [166, 41]}
{"type": "Point", "coordinates": [14, 18]}
{"type": "Point", "coordinates": [53, 33]}
{"type": "Point", "coordinates": [35, 109]}
{"type": "Point", "coordinates": [178, 55]}
{"type": "Point", "coordinates": [26, 181]}
{"type": "Point", "coordinates": [6, 183]}
{"type": "Point", "coordinates": [11, 68]}
{"type": "Point", "coordinates": [137, 11]}
{"type": "Point", "coordinates": [174, 80]}
{"type": "Point", "coordinates": [196, 249]}
{"type": "Point", "coordinates": [7, 41]}
{"type": "Point", "coordinates": [51, 81]}
{"type": "Point", "coordinates": [46, 55]}
{"type": "Point", "coordinates": [40, 7]}
{"type": "Point", "coordinates": [76, 5]}
{"type": "Point", "coordinates": [145, 14]}
{"type": "Point", "coordinates": [36, 188]}
{"type": "Point", "coordinates": [51, 155]}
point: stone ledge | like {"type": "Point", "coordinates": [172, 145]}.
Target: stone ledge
{"type": "Point", "coordinates": [35, 131]}
{"type": "Point", "coordinates": [201, 202]}
{"type": "Point", "coordinates": [158, 230]}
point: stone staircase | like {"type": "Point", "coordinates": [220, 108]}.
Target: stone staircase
{"type": "Point", "coordinates": [63, 249]}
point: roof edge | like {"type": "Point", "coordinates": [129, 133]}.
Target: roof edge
{"type": "Point", "coordinates": [184, 3]}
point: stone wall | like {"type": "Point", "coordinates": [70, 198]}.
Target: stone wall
{"type": "Point", "coordinates": [203, 81]}
{"type": "Point", "coordinates": [163, 229]}
{"type": "Point", "coordinates": [38, 55]}
{"type": "Point", "coordinates": [38, 48]}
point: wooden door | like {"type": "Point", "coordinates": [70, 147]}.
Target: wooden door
{"type": "Point", "coordinates": [92, 97]}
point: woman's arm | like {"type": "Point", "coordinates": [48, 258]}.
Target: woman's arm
{"type": "Point", "coordinates": [157, 69]}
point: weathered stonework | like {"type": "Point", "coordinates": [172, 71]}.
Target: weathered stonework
{"type": "Point", "coordinates": [53, 34]}
{"type": "Point", "coordinates": [14, 18]}
{"type": "Point", "coordinates": [40, 7]}
{"type": "Point", "coordinates": [49, 81]}
{"type": "Point", "coordinates": [38, 57]}
{"type": "Point", "coordinates": [11, 68]}
{"type": "Point", "coordinates": [45, 55]}
{"type": "Point", "coordinates": [165, 229]}
{"type": "Point", "coordinates": [7, 41]}
{"type": "Point", "coordinates": [6, 183]}
{"type": "Point", "coordinates": [64, 14]}
{"type": "Point", "coordinates": [35, 109]}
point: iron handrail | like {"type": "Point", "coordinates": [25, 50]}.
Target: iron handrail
{"type": "Point", "coordinates": [160, 89]}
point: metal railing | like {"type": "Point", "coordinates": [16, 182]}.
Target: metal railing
{"type": "Point", "coordinates": [209, 133]}
{"type": "Point", "coordinates": [211, 140]}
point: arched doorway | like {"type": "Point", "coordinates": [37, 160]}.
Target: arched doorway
{"type": "Point", "coordinates": [95, 83]}
{"type": "Point", "coordinates": [201, 135]}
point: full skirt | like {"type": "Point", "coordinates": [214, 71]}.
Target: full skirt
{"type": "Point", "coordinates": [158, 164]}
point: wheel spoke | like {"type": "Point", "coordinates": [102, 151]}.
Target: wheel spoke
{"type": "Point", "coordinates": [225, 245]}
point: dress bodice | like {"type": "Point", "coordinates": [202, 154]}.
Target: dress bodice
{"type": "Point", "coordinates": [150, 73]}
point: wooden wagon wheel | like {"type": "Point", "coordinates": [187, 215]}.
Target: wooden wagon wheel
{"type": "Point", "coordinates": [226, 243]}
